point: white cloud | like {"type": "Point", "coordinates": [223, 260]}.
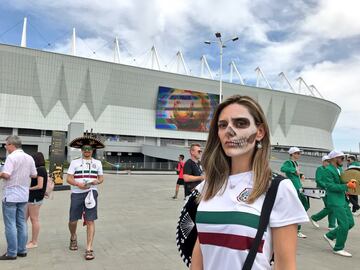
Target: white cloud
{"type": "Point", "coordinates": [340, 83]}
{"type": "Point", "coordinates": [334, 19]}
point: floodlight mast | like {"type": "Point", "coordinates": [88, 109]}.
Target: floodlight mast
{"type": "Point", "coordinates": [221, 44]}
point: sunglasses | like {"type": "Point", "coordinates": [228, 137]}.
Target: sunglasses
{"type": "Point", "coordinates": [199, 151]}
{"type": "Point", "coordinates": [87, 148]}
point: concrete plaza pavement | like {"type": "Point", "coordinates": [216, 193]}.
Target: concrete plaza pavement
{"type": "Point", "coordinates": [136, 231]}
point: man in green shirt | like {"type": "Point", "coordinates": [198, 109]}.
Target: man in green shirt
{"type": "Point", "coordinates": [292, 170]}
{"type": "Point", "coordinates": [320, 184]}
{"type": "Point", "coordinates": [337, 203]}
{"type": "Point", "coordinates": [352, 163]}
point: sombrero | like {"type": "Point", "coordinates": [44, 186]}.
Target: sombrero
{"type": "Point", "coordinates": [87, 139]}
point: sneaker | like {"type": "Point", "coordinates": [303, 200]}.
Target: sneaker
{"type": "Point", "coordinates": [356, 213]}
{"type": "Point", "coordinates": [301, 235]}
{"type": "Point", "coordinates": [314, 223]}
{"type": "Point", "coordinates": [331, 242]}
{"type": "Point", "coordinates": [342, 253]}
{"type": "Point", "coordinates": [331, 228]}
{"type": "Point", "coordinates": [174, 197]}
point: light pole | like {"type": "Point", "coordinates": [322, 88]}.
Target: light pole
{"type": "Point", "coordinates": [221, 46]}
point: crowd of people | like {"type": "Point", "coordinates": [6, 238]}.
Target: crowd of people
{"type": "Point", "coordinates": [233, 177]}
{"type": "Point", "coordinates": [25, 181]}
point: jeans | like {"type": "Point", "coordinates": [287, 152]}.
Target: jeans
{"type": "Point", "coordinates": [15, 227]}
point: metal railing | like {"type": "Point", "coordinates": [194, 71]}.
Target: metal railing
{"type": "Point", "coordinates": [166, 166]}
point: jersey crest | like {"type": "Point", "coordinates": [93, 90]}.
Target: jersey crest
{"type": "Point", "coordinates": [244, 195]}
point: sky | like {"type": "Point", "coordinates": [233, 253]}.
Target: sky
{"type": "Point", "coordinates": [317, 40]}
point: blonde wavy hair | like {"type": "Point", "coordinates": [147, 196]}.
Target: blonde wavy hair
{"type": "Point", "coordinates": [217, 165]}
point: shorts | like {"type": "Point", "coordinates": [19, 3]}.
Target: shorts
{"type": "Point", "coordinates": [180, 182]}
{"type": "Point", "coordinates": [77, 207]}
{"type": "Point", "coordinates": [35, 202]}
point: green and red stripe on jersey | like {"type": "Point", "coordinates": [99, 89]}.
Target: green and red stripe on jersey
{"type": "Point", "coordinates": [229, 240]}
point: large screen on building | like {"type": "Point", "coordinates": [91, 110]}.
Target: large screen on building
{"type": "Point", "coordinates": [186, 110]}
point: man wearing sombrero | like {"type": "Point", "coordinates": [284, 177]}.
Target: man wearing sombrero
{"type": "Point", "coordinates": [84, 174]}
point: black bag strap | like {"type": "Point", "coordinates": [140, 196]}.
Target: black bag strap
{"type": "Point", "coordinates": [264, 220]}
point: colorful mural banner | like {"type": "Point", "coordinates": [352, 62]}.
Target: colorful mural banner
{"type": "Point", "coordinates": [185, 110]}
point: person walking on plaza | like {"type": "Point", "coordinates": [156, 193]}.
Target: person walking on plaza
{"type": "Point", "coordinates": [84, 174]}
{"type": "Point", "coordinates": [180, 172]}
{"type": "Point", "coordinates": [319, 178]}
{"type": "Point", "coordinates": [338, 204]}
{"type": "Point", "coordinates": [238, 179]}
{"type": "Point", "coordinates": [292, 170]}
{"type": "Point", "coordinates": [17, 172]}
{"type": "Point", "coordinates": [193, 173]}
{"type": "Point", "coordinates": [36, 197]}
{"type": "Point", "coordinates": [353, 199]}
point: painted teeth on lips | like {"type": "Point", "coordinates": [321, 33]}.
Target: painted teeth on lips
{"type": "Point", "coordinates": [241, 142]}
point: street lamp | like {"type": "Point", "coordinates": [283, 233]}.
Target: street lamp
{"type": "Point", "coordinates": [221, 44]}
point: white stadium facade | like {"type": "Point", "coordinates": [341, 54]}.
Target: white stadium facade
{"type": "Point", "coordinates": [42, 91]}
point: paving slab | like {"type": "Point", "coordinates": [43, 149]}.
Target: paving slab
{"type": "Point", "coordinates": [136, 231]}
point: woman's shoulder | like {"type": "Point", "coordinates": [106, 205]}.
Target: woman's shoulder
{"type": "Point", "coordinates": [41, 169]}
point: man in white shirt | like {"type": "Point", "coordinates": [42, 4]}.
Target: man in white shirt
{"type": "Point", "coordinates": [17, 172]}
{"type": "Point", "coordinates": [84, 174]}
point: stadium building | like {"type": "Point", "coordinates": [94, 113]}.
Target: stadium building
{"type": "Point", "coordinates": [42, 91]}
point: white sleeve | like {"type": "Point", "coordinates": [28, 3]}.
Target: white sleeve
{"type": "Point", "coordinates": [33, 167]}
{"type": "Point", "coordinates": [8, 166]}
{"type": "Point", "coordinates": [71, 169]}
{"type": "Point", "coordinates": [100, 169]}
{"type": "Point", "coordinates": [287, 208]}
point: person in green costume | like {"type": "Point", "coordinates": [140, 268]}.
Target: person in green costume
{"type": "Point", "coordinates": [291, 169]}
{"type": "Point", "coordinates": [320, 184]}
{"type": "Point", "coordinates": [353, 199]}
{"type": "Point", "coordinates": [338, 204]}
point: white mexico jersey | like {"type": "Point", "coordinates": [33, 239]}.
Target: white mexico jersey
{"type": "Point", "coordinates": [227, 225]}
{"type": "Point", "coordinates": [85, 171]}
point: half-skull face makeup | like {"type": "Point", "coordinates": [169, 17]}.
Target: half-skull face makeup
{"type": "Point", "coordinates": [236, 130]}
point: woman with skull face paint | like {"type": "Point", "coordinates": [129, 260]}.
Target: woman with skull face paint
{"type": "Point", "coordinates": [236, 164]}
